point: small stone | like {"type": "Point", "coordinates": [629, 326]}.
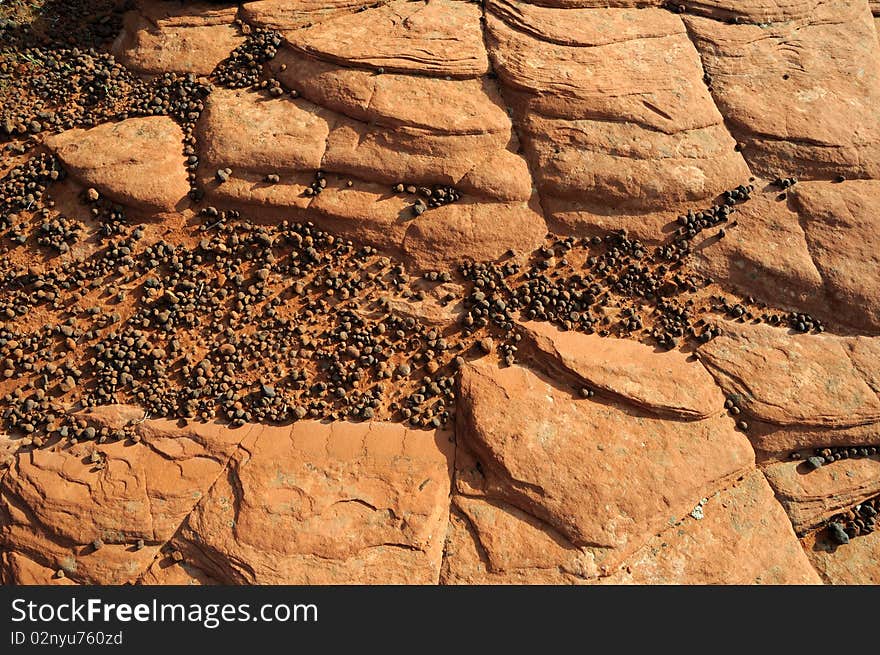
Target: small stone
{"type": "Point", "coordinates": [92, 194]}
{"type": "Point", "coordinates": [838, 534]}
{"type": "Point", "coordinates": [816, 462]}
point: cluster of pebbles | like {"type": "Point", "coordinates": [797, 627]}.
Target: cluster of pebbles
{"type": "Point", "coordinates": [70, 23]}
{"type": "Point", "coordinates": [24, 185]}
{"type": "Point", "coordinates": [823, 456]}
{"type": "Point", "coordinates": [427, 197]}
{"type": "Point", "coordinates": [248, 323]}
{"type": "Point", "coordinates": [244, 67]}
{"type": "Point", "coordinates": [858, 521]}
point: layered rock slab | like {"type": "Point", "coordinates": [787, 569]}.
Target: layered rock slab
{"type": "Point", "coordinates": [283, 15]}
{"type": "Point", "coordinates": [312, 503]}
{"type": "Point", "coordinates": [437, 37]}
{"type": "Point", "coordinates": [855, 563]}
{"type": "Point", "coordinates": [797, 108]}
{"type": "Point", "coordinates": [137, 162]}
{"type": "Point", "coordinates": [254, 136]}
{"type": "Point", "coordinates": [54, 505]}
{"type": "Point", "coordinates": [812, 249]}
{"type": "Point", "coordinates": [437, 104]}
{"type": "Point", "coordinates": [603, 475]}
{"type": "Point", "coordinates": [473, 151]}
{"type": "Point", "coordinates": [492, 542]}
{"type": "Point", "coordinates": [823, 386]}
{"type": "Point", "coordinates": [754, 11]}
{"type": "Point", "coordinates": [766, 256]}
{"type": "Point", "coordinates": [742, 537]}
{"type": "Point", "coordinates": [843, 234]}
{"type": "Point", "coordinates": [613, 112]}
{"type": "Point", "coordinates": [326, 503]}
{"type": "Point", "coordinates": [160, 37]}
{"type": "Point", "coordinates": [803, 391]}
{"type": "Point", "coordinates": [665, 384]}
{"type": "Point", "coordinates": [811, 497]}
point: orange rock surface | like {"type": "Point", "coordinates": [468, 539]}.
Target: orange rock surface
{"type": "Point", "coordinates": [589, 460]}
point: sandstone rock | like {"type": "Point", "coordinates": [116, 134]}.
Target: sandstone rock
{"type": "Point", "coordinates": [574, 217]}
{"type": "Point", "coordinates": [754, 11]}
{"type": "Point", "coordinates": [283, 15]}
{"type": "Point", "coordinates": [664, 384]}
{"type": "Point", "coordinates": [814, 251]}
{"type": "Point", "coordinates": [255, 137]}
{"type": "Point", "coordinates": [544, 20]}
{"type": "Point", "coordinates": [766, 256]}
{"type": "Point", "coordinates": [53, 505]}
{"type": "Point", "coordinates": [613, 112]}
{"type": "Point", "coordinates": [366, 213]}
{"type": "Point", "coordinates": [795, 108]}
{"type": "Point", "coordinates": [812, 496]}
{"type": "Point", "coordinates": [858, 562]}
{"type": "Point", "coordinates": [604, 476]}
{"type": "Point", "coordinates": [452, 107]}
{"type": "Point", "coordinates": [491, 542]}
{"type": "Point", "coordinates": [161, 37]}
{"type": "Point", "coordinates": [472, 231]}
{"type": "Point", "coordinates": [252, 134]}
{"type": "Point", "coordinates": [165, 571]}
{"type": "Point", "coordinates": [438, 37]}
{"type": "Point", "coordinates": [864, 352]}
{"type": "Point", "coordinates": [136, 162]}
{"type": "Point", "coordinates": [17, 569]}
{"type": "Point", "coordinates": [369, 213]}
{"type": "Point", "coordinates": [474, 164]}
{"type": "Point", "coordinates": [113, 417]}
{"type": "Point", "coordinates": [590, 84]}
{"type": "Point", "coordinates": [843, 233]}
{"type": "Point", "coordinates": [788, 379]}
{"type": "Point", "coordinates": [797, 391]}
{"type": "Point", "coordinates": [366, 502]}
{"type": "Point", "coordinates": [743, 538]}
{"type": "Point", "coordinates": [322, 504]}
{"type": "Point", "coordinates": [593, 116]}
{"type": "Point", "coordinates": [464, 139]}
